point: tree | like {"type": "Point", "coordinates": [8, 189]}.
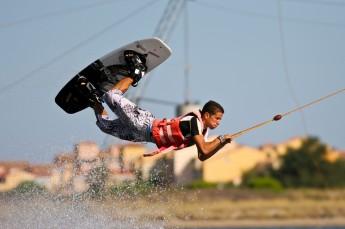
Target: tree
{"type": "Point", "coordinates": [307, 166]}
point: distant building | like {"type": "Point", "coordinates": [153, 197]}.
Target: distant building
{"type": "Point", "coordinates": [229, 164]}
{"type": "Point", "coordinates": [72, 169]}
{"type": "Point", "coordinates": [187, 167]}
{"type": "Point", "coordinates": [232, 161]}
{"type": "Point", "coordinates": [62, 172]}
{"type": "Point", "coordinates": [120, 161]}
{"type": "Point", "coordinates": [77, 171]}
{"type": "Point", "coordinates": [14, 173]}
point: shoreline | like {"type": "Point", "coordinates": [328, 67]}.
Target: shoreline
{"type": "Point", "coordinates": [214, 224]}
{"type": "Point", "coordinates": [215, 209]}
{"type": "Point", "coordinates": [201, 209]}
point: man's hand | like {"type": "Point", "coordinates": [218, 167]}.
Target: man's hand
{"type": "Point", "coordinates": [227, 138]}
{"type": "Point", "coordinates": [224, 139]}
{"type": "Point", "coordinates": [99, 109]}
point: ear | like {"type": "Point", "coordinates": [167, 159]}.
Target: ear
{"type": "Point", "coordinates": [207, 115]}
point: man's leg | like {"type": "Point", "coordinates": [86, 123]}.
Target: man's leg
{"type": "Point", "coordinates": [120, 105]}
{"type": "Point", "coordinates": [127, 111]}
{"type": "Point", "coordinates": [123, 84]}
{"type": "Point", "coordinates": [118, 129]}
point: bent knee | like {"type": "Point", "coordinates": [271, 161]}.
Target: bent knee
{"type": "Point", "coordinates": [112, 97]}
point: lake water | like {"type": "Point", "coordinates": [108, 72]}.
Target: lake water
{"type": "Point", "coordinates": [277, 228]}
{"type": "Point", "coordinates": [40, 212]}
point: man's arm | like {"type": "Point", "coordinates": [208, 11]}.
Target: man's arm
{"type": "Point", "coordinates": [103, 121]}
{"type": "Point", "coordinates": [208, 149]}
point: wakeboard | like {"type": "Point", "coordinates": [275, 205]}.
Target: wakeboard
{"type": "Point", "coordinates": [106, 71]}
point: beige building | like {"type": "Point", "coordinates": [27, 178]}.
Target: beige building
{"type": "Point", "coordinates": [187, 166]}
{"type": "Point", "coordinates": [62, 172]}
{"type": "Point", "coordinates": [121, 161]}
{"type": "Point", "coordinates": [15, 178]}
{"type": "Point", "coordinates": [72, 169]}
{"type": "Point", "coordinates": [126, 163]}
{"type": "Point", "coordinates": [16, 172]}
{"type": "Point", "coordinates": [229, 164]}
{"type": "Point", "coordinates": [134, 166]}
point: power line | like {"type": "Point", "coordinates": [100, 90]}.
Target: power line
{"type": "Point", "coordinates": [55, 13]}
{"type": "Point", "coordinates": [264, 16]}
{"type": "Point", "coordinates": [159, 101]}
{"type": "Point", "coordinates": [285, 65]}
{"type": "Point", "coordinates": [169, 19]}
{"type": "Point", "coordinates": [163, 30]}
{"type": "Point", "coordinates": [319, 2]}
{"type": "Point", "coordinates": [186, 55]}
{"type": "Point", "coordinates": [233, 10]}
{"type": "Point", "coordinates": [88, 40]}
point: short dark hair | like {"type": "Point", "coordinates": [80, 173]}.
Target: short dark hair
{"type": "Point", "coordinates": [212, 108]}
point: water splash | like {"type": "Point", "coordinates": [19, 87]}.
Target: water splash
{"type": "Point", "coordinates": [41, 212]}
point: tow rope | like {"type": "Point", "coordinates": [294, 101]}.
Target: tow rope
{"type": "Point", "coordinates": [280, 116]}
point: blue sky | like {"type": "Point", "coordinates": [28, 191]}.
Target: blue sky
{"type": "Point", "coordinates": [257, 58]}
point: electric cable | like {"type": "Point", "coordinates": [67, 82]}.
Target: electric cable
{"type": "Point", "coordinates": [32, 73]}
{"type": "Point", "coordinates": [318, 2]}
{"type": "Point", "coordinates": [264, 16]}
{"type": "Point", "coordinates": [55, 13]}
{"type": "Point", "coordinates": [163, 30]}
{"type": "Point", "coordinates": [285, 66]}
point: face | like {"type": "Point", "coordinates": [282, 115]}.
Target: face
{"type": "Point", "coordinates": [213, 121]}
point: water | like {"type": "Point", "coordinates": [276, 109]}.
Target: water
{"type": "Point", "coordinates": [268, 228]}
{"type": "Point", "coordinates": [22, 211]}
{"type": "Point", "coordinates": [42, 213]}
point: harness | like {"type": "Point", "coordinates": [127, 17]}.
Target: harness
{"type": "Point", "coordinates": [167, 134]}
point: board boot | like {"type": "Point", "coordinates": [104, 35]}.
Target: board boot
{"type": "Point", "coordinates": [136, 64]}
{"type": "Point", "coordinates": [90, 92]}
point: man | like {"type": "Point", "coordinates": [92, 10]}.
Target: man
{"type": "Point", "coordinates": [138, 125]}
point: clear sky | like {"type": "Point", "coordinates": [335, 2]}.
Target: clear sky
{"type": "Point", "coordinates": [255, 57]}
